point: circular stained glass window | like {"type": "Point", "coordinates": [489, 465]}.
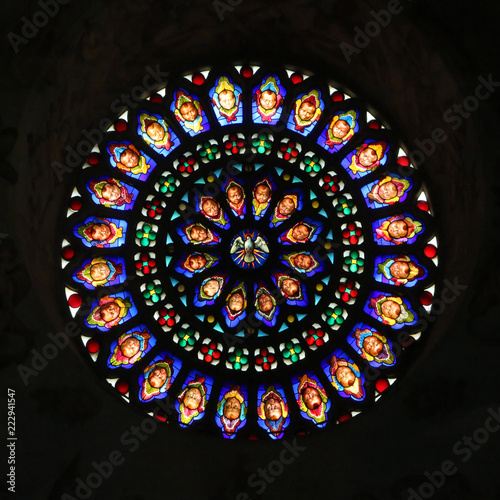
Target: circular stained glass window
{"type": "Point", "coordinates": [249, 251]}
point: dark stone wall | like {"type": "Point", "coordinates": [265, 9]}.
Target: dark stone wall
{"type": "Point", "coordinates": [66, 77]}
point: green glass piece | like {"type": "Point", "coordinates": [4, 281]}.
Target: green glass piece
{"type": "Point", "coordinates": [182, 343]}
{"type": "Point", "coordinates": [144, 242]}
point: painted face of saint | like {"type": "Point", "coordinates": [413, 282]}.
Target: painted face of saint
{"type": "Point", "coordinates": [227, 99]}
{"type": "Point", "coordinates": [155, 131]}
{"type": "Point", "coordinates": [232, 408]}
{"type": "Point", "coordinates": [311, 398]}
{"type": "Point", "coordinates": [372, 345]}
{"type": "Point", "coordinates": [268, 99]}
{"type": "Point", "coordinates": [300, 232]}
{"type": "Point", "coordinates": [211, 207]}
{"type": "Point", "coordinates": [110, 311]}
{"type": "Point", "coordinates": [197, 262]}
{"type": "Point", "coordinates": [198, 233]}
{"type": "Point", "coordinates": [286, 206]}
{"type": "Point", "coordinates": [110, 192]}
{"type": "Point", "coordinates": [99, 271]}
{"type": "Point", "coordinates": [262, 193]}
{"type": "Point", "coordinates": [388, 190]}
{"type": "Point", "coordinates": [272, 409]}
{"type": "Point", "coordinates": [157, 377]}
{"type": "Point", "coordinates": [188, 111]}
{"type": "Point", "coordinates": [390, 309]}
{"type": "Point", "coordinates": [340, 129]}
{"type": "Point", "coordinates": [345, 376]}
{"type": "Point", "coordinates": [367, 157]}
{"type": "Point", "coordinates": [192, 398]}
{"type": "Point", "coordinates": [265, 302]}
{"type": "Point", "coordinates": [211, 287]}
{"type": "Point", "coordinates": [399, 269]}
{"type": "Point", "coordinates": [290, 287]}
{"type": "Point", "coordinates": [234, 195]}
{"type": "Point", "coordinates": [397, 229]}
{"type": "Point", "coordinates": [100, 232]}
{"type": "Point", "coordinates": [129, 158]}
{"type": "Point", "coordinates": [236, 302]}
{"type": "Point", "coordinates": [302, 261]}
{"type": "Point", "coordinates": [130, 347]}
{"type": "Point", "coordinates": [306, 111]}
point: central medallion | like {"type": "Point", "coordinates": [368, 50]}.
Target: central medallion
{"type": "Point", "coordinates": [249, 249]}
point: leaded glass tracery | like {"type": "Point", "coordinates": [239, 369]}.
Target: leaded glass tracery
{"type": "Point", "coordinates": [249, 243]}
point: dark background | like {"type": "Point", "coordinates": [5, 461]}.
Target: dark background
{"type": "Point", "coordinates": [63, 80]}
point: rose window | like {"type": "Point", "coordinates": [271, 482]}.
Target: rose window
{"type": "Point", "coordinates": [249, 252]}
